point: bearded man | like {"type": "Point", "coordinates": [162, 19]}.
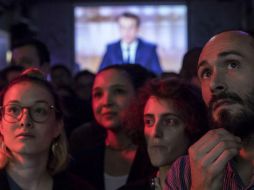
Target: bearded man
{"type": "Point", "coordinates": [224, 157]}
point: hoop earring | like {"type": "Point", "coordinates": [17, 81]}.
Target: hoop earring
{"type": "Point", "coordinates": [3, 147]}
{"type": "Point", "coordinates": [54, 147]}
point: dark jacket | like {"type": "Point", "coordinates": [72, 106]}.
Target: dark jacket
{"type": "Point", "coordinates": [61, 181]}
{"type": "Point", "coordinates": [88, 151]}
{"type": "Point", "coordinates": [146, 56]}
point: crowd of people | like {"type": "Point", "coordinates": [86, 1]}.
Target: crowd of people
{"type": "Point", "coordinates": [127, 127]}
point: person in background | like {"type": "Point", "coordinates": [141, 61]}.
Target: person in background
{"type": "Point", "coordinates": [131, 49]}
{"type": "Point", "coordinates": [83, 83]}
{"type": "Point", "coordinates": [169, 75]}
{"type": "Point", "coordinates": [61, 78]}
{"type": "Point", "coordinates": [33, 153]}
{"type": "Point", "coordinates": [171, 115]}
{"type": "Point", "coordinates": [223, 157]}
{"type": "Point", "coordinates": [31, 53]}
{"type": "Point", "coordinates": [11, 72]}
{"type": "Point", "coordinates": [103, 153]}
{"type": "Point", "coordinates": [188, 70]}
{"type": "Point", "coordinates": [8, 74]}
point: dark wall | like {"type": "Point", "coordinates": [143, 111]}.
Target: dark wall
{"type": "Point", "coordinates": [53, 21]}
{"type": "Point", "coordinates": [207, 18]}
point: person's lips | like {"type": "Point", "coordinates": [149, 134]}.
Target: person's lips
{"type": "Point", "coordinates": [222, 102]}
{"type": "Point", "coordinates": [109, 114]}
{"type": "Point", "coordinates": [25, 135]}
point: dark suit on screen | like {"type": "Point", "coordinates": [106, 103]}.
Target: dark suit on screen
{"type": "Point", "coordinates": [146, 56]}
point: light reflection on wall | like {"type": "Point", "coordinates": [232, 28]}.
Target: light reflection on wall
{"type": "Point", "coordinates": [165, 25]}
{"type": "Point", "coordinates": [4, 47]}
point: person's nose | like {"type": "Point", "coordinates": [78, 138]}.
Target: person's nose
{"type": "Point", "coordinates": [218, 83]}
{"type": "Point", "coordinates": [107, 99]}
{"type": "Point", "coordinates": [157, 130]}
{"type": "Point", "coordinates": [26, 120]}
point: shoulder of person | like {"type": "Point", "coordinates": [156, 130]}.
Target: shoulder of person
{"type": "Point", "coordinates": [86, 136]}
{"type": "Point", "coordinates": [146, 43]}
{"type": "Point", "coordinates": [3, 179]}
{"type": "Point", "coordinates": [114, 44]}
{"type": "Point", "coordinates": [179, 176]}
{"type": "Point", "coordinates": [182, 161]}
{"type": "Point", "coordinates": [144, 184]}
{"type": "Point", "coordinates": [69, 181]}
{"type": "Point", "coordinates": [87, 129]}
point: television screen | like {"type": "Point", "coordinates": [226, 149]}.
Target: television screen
{"type": "Point", "coordinates": [164, 25]}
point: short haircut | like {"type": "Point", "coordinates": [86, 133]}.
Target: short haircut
{"type": "Point", "coordinates": [41, 48]}
{"type": "Point", "coordinates": [61, 67]}
{"type": "Point", "coordinates": [83, 73]}
{"type": "Point", "coordinates": [130, 15]}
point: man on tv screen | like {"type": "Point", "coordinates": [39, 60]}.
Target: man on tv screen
{"type": "Point", "coordinates": [130, 49]}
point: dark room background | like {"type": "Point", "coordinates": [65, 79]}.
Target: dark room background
{"type": "Point", "coordinates": [52, 21]}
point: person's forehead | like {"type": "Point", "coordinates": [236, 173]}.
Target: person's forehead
{"type": "Point", "coordinates": [123, 20]}
{"type": "Point", "coordinates": [112, 76]}
{"type": "Point", "coordinates": [24, 89]}
{"type": "Point", "coordinates": [157, 104]}
{"type": "Point", "coordinates": [235, 43]}
{"type": "Point", "coordinates": [25, 49]}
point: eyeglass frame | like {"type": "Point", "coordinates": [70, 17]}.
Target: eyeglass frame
{"type": "Point", "coordinates": [51, 107]}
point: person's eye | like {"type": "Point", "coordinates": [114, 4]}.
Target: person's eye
{"type": "Point", "coordinates": [12, 109]}
{"type": "Point", "coordinates": [232, 64]}
{"type": "Point", "coordinates": [97, 94]}
{"type": "Point", "coordinates": [205, 73]}
{"type": "Point", "coordinates": [170, 122]}
{"type": "Point", "coordinates": [40, 111]}
{"type": "Point", "coordinates": [148, 122]}
{"type": "Point", "coordinates": [120, 91]}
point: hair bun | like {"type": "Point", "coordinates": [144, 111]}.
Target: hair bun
{"type": "Point", "coordinates": [34, 72]}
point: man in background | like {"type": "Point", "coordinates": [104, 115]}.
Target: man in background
{"type": "Point", "coordinates": [31, 53]}
{"type": "Point", "coordinates": [130, 49]}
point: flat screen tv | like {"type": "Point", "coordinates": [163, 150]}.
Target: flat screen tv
{"type": "Point", "coordinates": [162, 24]}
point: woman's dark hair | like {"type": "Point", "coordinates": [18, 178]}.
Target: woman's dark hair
{"type": "Point", "coordinates": [189, 64]}
{"type": "Point", "coordinates": [137, 74]}
{"type": "Point", "coordinates": [185, 97]}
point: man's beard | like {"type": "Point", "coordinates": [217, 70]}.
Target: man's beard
{"type": "Point", "coordinates": [241, 123]}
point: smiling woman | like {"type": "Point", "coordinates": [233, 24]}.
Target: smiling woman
{"type": "Point", "coordinates": [33, 147]}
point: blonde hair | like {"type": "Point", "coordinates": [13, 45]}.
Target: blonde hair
{"type": "Point", "coordinates": [58, 153]}
{"type": "Point", "coordinates": [58, 156]}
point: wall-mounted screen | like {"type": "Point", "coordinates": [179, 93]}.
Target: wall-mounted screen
{"type": "Point", "coordinates": [164, 25]}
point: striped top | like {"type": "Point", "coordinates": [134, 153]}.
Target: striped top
{"type": "Point", "coordinates": [179, 177]}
